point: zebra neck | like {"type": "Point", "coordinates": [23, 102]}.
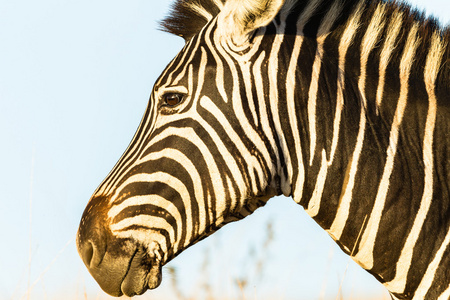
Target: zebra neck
{"type": "Point", "coordinates": [355, 113]}
{"type": "Point", "coordinates": [320, 96]}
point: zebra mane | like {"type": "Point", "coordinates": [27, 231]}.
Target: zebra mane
{"type": "Point", "coordinates": [188, 17]}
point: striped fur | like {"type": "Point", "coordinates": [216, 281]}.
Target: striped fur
{"type": "Point", "coordinates": [342, 105]}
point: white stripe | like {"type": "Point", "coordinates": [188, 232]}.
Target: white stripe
{"type": "Point", "coordinates": [325, 27]}
{"type": "Point", "coordinates": [145, 221]}
{"type": "Point", "coordinates": [369, 41]}
{"type": "Point", "coordinates": [220, 83]}
{"type": "Point", "coordinates": [314, 203]}
{"type": "Point", "coordinates": [386, 53]}
{"type": "Point", "coordinates": [322, 33]}
{"type": "Point", "coordinates": [274, 98]}
{"type": "Point", "coordinates": [445, 295]}
{"type": "Point", "coordinates": [144, 235]}
{"type": "Point", "coordinates": [260, 93]}
{"type": "Point", "coordinates": [230, 159]}
{"type": "Point", "coordinates": [184, 54]}
{"type": "Point", "coordinates": [175, 183]}
{"type": "Point", "coordinates": [213, 171]}
{"type": "Point", "coordinates": [152, 199]}
{"type": "Point", "coordinates": [428, 278]}
{"type": "Point", "coordinates": [297, 191]}
{"type": "Point", "coordinates": [337, 227]}
{"type": "Point", "coordinates": [312, 97]}
{"type": "Point", "coordinates": [143, 200]}
{"type": "Point", "coordinates": [344, 44]}
{"type": "Point", "coordinates": [191, 169]}
{"type": "Point", "coordinates": [290, 99]}
{"type": "Point", "coordinates": [342, 213]}
{"type": "Point", "coordinates": [182, 66]}
{"type": "Point", "coordinates": [398, 284]}
{"type": "Point", "coordinates": [273, 90]}
{"type": "Point", "coordinates": [248, 83]}
{"type": "Point", "coordinates": [248, 129]}
{"type": "Point", "coordinates": [365, 254]}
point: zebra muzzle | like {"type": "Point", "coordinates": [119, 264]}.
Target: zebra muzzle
{"type": "Point", "coordinates": [128, 272]}
{"type": "Point", "coordinates": [119, 265]}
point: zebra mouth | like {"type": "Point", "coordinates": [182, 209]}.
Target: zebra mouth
{"type": "Point", "coordinates": [144, 272]}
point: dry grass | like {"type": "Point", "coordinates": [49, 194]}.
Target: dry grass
{"type": "Point", "coordinates": [245, 286]}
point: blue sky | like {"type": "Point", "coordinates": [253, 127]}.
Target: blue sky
{"type": "Point", "coordinates": [75, 77]}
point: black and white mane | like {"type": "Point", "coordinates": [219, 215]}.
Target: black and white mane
{"type": "Point", "coordinates": [187, 18]}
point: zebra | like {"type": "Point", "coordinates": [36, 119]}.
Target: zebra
{"type": "Point", "coordinates": [342, 105]}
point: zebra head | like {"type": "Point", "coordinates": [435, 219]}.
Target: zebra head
{"type": "Point", "coordinates": [205, 153]}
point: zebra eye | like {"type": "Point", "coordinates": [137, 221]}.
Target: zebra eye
{"type": "Point", "coordinates": [172, 99]}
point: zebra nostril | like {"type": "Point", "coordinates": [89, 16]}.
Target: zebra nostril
{"type": "Point", "coordinates": [92, 253]}
{"type": "Point", "coordinates": [88, 254]}
{"type": "Point", "coordinates": [91, 244]}
{"type": "Point", "coordinates": [92, 235]}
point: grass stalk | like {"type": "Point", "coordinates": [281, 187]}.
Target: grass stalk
{"type": "Point", "coordinates": [30, 288]}
{"type": "Point", "coordinates": [30, 219]}
{"type": "Point", "coordinates": [351, 254]}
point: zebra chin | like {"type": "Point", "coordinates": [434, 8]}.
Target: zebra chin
{"type": "Point", "coordinates": [121, 266]}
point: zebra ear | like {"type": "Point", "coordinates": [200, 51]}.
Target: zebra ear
{"type": "Point", "coordinates": [240, 18]}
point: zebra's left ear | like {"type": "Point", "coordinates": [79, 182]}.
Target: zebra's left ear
{"type": "Point", "coordinates": [240, 18]}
